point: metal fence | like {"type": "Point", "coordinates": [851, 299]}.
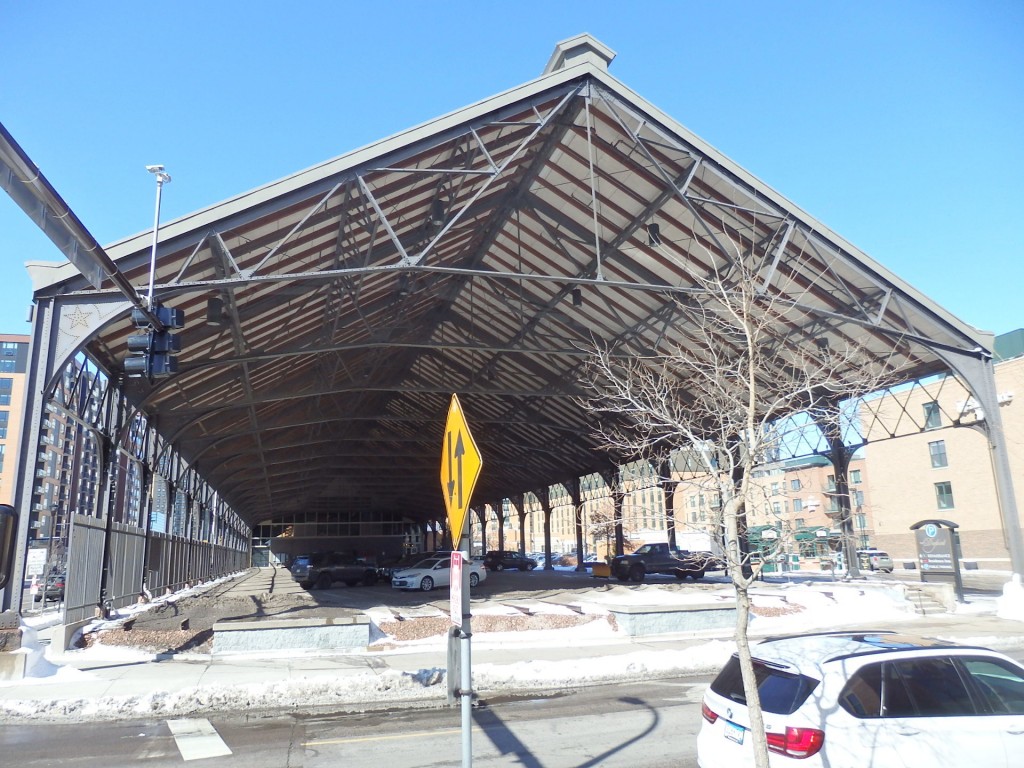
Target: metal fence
{"type": "Point", "coordinates": [156, 562]}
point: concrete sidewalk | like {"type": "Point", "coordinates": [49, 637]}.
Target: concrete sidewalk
{"type": "Point", "coordinates": [123, 683]}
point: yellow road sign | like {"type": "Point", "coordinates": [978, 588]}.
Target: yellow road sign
{"type": "Point", "coordinates": [460, 467]}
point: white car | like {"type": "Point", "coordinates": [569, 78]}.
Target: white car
{"type": "Point", "coordinates": [879, 699]}
{"type": "Point", "coordinates": [436, 572]}
{"type": "Point", "coordinates": [875, 560]}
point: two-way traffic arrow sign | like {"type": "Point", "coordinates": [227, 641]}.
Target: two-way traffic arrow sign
{"type": "Point", "coordinates": [460, 468]}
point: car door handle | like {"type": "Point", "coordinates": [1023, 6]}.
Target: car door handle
{"type": "Point", "coordinates": [905, 731]}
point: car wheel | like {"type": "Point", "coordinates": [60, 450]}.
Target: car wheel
{"type": "Point", "coordinates": [636, 573]}
{"type": "Point", "coordinates": [323, 581]}
{"type": "Point", "coordinates": [427, 584]}
{"type": "Point", "coordinates": [622, 576]}
{"type": "Point", "coordinates": [474, 579]}
{"type": "Point", "coordinates": [697, 575]}
{"type": "Point", "coordinates": [499, 567]}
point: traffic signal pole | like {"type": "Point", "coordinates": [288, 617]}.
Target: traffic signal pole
{"type": "Point", "coordinates": [161, 179]}
{"type": "Point", "coordinates": [152, 353]}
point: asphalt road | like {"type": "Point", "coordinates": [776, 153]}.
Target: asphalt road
{"type": "Point", "coordinates": [649, 725]}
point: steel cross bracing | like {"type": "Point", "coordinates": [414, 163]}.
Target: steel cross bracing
{"type": "Point", "coordinates": [483, 258]}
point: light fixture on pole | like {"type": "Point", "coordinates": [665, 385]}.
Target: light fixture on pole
{"type": "Point", "coordinates": [161, 178]}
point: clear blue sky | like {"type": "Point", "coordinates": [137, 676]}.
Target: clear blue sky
{"type": "Point", "coordinates": [898, 124]}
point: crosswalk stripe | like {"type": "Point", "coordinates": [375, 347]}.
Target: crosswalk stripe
{"type": "Point", "coordinates": [197, 738]}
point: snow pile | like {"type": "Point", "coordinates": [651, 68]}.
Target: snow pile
{"type": "Point", "coordinates": [560, 633]}
{"type": "Point", "coordinates": [802, 607]}
{"type": "Point", "coordinates": [365, 686]}
{"type": "Point", "coordinates": [1010, 605]}
{"type": "Point", "coordinates": [641, 665]}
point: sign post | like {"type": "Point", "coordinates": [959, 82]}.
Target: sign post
{"type": "Point", "coordinates": [460, 468]}
{"type": "Point", "coordinates": [938, 550]}
{"type": "Point", "coordinates": [455, 588]}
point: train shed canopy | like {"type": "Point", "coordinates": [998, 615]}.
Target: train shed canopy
{"type": "Point", "coordinates": [330, 315]}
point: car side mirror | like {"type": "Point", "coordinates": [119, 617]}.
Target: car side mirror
{"type": "Point", "coordinates": [8, 528]}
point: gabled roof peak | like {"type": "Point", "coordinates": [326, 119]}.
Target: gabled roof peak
{"type": "Point", "coordinates": [578, 49]}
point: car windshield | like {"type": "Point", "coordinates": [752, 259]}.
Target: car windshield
{"type": "Point", "coordinates": [429, 563]}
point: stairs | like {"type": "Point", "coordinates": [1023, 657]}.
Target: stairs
{"type": "Point", "coordinates": [924, 600]}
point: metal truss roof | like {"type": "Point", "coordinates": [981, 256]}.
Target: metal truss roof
{"type": "Point", "coordinates": [331, 314]}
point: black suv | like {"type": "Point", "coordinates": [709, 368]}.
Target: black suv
{"type": "Point", "coordinates": [325, 568]}
{"type": "Point", "coordinates": [500, 559]}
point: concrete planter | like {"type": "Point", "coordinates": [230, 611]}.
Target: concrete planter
{"type": "Point", "coordinates": [320, 634]}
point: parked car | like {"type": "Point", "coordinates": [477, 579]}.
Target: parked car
{"type": "Point", "coordinates": [500, 559]}
{"type": "Point", "coordinates": [300, 567]}
{"type": "Point", "coordinates": [326, 568]}
{"type": "Point", "coordinates": [436, 572]}
{"type": "Point", "coordinates": [659, 557]}
{"type": "Point", "coordinates": [875, 560]}
{"type": "Point", "coordinates": [385, 570]}
{"type": "Point", "coordinates": [53, 589]}
{"type": "Point", "coordinates": [852, 699]}
{"type": "Point", "coordinates": [541, 560]}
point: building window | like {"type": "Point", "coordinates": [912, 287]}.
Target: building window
{"type": "Point", "coordinates": [794, 484]}
{"type": "Point", "coordinates": [776, 508]}
{"type": "Point", "coordinates": [775, 489]}
{"type": "Point", "coordinates": [801, 523]}
{"type": "Point", "coordinates": [932, 415]}
{"type": "Point", "coordinates": [862, 521]}
{"type": "Point", "coordinates": [858, 498]}
{"type": "Point", "coordinates": [798, 505]}
{"type": "Point", "coordinates": [3, 425]}
{"type": "Point", "coordinates": [944, 495]}
{"type": "Point", "coordinates": [830, 482]}
{"type": "Point", "coordinates": [5, 390]}
{"type": "Point", "coordinates": [855, 476]}
{"type": "Point", "coordinates": [937, 450]}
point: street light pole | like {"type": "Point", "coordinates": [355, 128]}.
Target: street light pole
{"type": "Point", "coordinates": [161, 179]}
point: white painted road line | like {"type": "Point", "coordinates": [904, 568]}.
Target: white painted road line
{"type": "Point", "coordinates": [197, 739]}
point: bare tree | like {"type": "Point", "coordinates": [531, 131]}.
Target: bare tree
{"type": "Point", "coordinates": [749, 356]}
{"type": "Point", "coordinates": [601, 524]}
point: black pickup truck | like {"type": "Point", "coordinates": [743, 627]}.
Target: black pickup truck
{"type": "Point", "coordinates": [325, 568]}
{"type": "Point", "coordinates": [660, 558]}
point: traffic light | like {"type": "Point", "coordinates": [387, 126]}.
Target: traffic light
{"type": "Point", "coordinates": [152, 352]}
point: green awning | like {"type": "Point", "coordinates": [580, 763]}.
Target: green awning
{"type": "Point", "coordinates": [809, 533]}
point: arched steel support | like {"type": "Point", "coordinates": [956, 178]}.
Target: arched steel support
{"type": "Point", "coordinates": [977, 372]}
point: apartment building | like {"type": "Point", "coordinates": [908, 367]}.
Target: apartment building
{"type": "Point", "coordinates": [13, 377]}
{"type": "Point", "coordinates": [939, 464]}
{"type": "Point", "coordinates": [644, 516]}
{"type": "Point", "coordinates": [795, 513]}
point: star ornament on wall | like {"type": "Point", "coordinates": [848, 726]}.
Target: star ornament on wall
{"type": "Point", "coordinates": [77, 317]}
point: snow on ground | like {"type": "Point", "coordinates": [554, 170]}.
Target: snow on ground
{"type": "Point", "coordinates": [780, 609]}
